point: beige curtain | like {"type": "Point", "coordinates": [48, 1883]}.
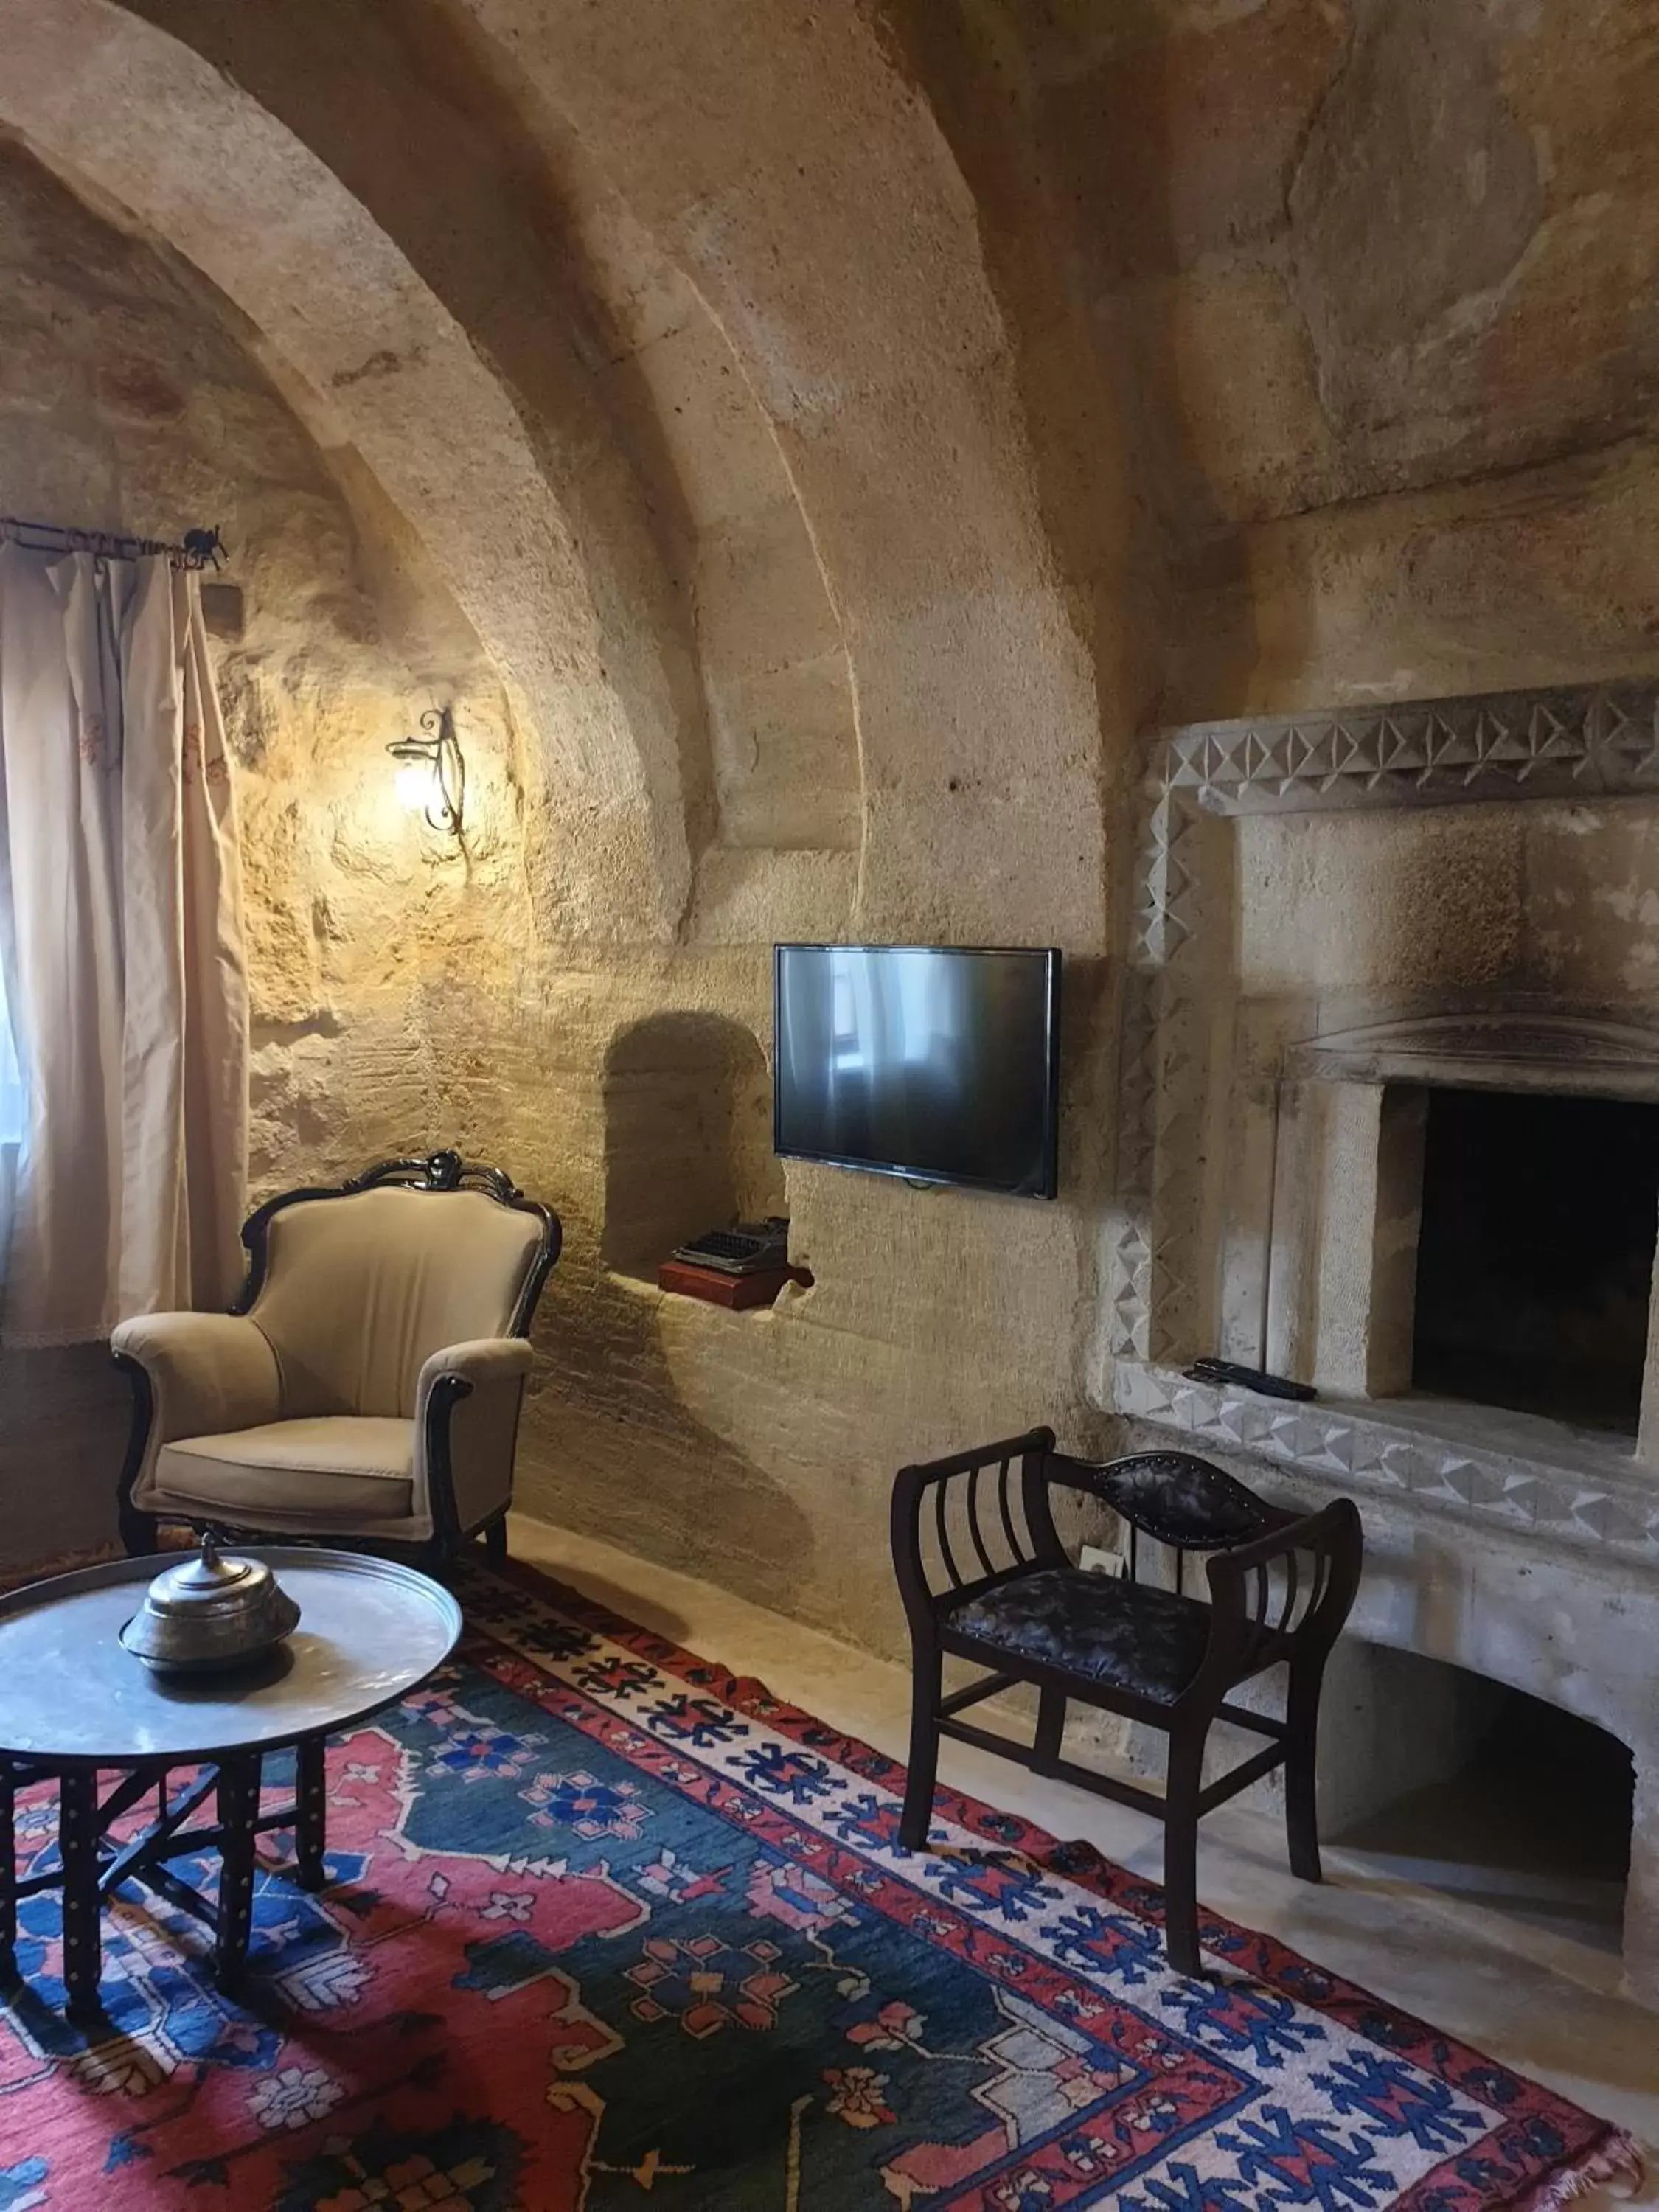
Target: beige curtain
{"type": "Point", "coordinates": [121, 939]}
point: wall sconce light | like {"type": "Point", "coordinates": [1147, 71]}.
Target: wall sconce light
{"type": "Point", "coordinates": [432, 772]}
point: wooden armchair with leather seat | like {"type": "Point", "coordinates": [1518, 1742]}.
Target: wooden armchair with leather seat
{"type": "Point", "coordinates": [985, 1579]}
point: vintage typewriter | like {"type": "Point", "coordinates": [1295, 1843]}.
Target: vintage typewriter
{"type": "Point", "coordinates": [751, 1248]}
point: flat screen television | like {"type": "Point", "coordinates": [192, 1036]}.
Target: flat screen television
{"type": "Point", "coordinates": [934, 1063]}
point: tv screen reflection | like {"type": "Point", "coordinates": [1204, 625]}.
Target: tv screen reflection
{"type": "Point", "coordinates": [937, 1063]}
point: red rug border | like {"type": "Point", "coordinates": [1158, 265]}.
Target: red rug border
{"type": "Point", "coordinates": [1610, 2157]}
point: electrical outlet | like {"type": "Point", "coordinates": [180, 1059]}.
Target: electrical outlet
{"type": "Point", "coordinates": [1099, 1562]}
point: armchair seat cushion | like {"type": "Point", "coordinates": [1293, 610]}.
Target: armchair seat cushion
{"type": "Point", "coordinates": [345, 1467]}
{"type": "Point", "coordinates": [1146, 1641]}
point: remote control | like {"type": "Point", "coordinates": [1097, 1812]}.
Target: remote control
{"type": "Point", "coordinates": [1249, 1378]}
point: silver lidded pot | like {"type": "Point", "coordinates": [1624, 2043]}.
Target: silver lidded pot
{"type": "Point", "coordinates": [210, 1611]}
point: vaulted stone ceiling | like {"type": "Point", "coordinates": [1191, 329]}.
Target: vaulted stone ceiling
{"type": "Point", "coordinates": [836, 419]}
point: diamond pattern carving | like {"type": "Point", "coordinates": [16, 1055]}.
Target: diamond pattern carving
{"type": "Point", "coordinates": [1355, 1451]}
{"type": "Point", "coordinates": [1556, 744]}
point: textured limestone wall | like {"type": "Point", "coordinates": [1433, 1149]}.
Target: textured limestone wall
{"type": "Point", "coordinates": [644, 1425]}
{"type": "Point", "coordinates": [132, 398]}
{"type": "Point", "coordinates": [1369, 285]}
{"type": "Point", "coordinates": [930, 607]}
{"type": "Point", "coordinates": [847, 431]}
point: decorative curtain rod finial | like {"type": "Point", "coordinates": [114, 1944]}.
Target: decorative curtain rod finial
{"type": "Point", "coordinates": [202, 546]}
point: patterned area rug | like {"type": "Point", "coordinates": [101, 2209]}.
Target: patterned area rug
{"type": "Point", "coordinates": [605, 1924]}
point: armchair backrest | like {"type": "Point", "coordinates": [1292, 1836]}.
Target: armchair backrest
{"type": "Point", "coordinates": [357, 1288]}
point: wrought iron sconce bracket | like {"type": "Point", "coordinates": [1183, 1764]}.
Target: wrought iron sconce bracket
{"type": "Point", "coordinates": [439, 754]}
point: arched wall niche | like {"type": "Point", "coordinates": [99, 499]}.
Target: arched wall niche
{"type": "Point", "coordinates": [688, 1136]}
{"type": "Point", "coordinates": [800, 188]}
{"type": "Point", "coordinates": [133, 397]}
{"type": "Point", "coordinates": [794, 185]}
{"type": "Point", "coordinates": [714, 631]}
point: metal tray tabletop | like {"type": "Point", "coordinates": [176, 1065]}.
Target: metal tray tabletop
{"type": "Point", "coordinates": [369, 1631]}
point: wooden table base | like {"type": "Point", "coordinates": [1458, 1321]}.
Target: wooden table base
{"type": "Point", "coordinates": [93, 1864]}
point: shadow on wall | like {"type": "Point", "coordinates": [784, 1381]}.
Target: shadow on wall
{"type": "Point", "coordinates": [610, 1448]}
{"type": "Point", "coordinates": [688, 1136]}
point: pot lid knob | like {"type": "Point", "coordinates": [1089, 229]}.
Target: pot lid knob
{"type": "Point", "coordinates": [209, 1580]}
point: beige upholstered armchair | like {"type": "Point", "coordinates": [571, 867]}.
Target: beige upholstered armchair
{"type": "Point", "coordinates": [367, 1384]}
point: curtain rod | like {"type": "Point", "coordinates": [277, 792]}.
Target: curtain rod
{"type": "Point", "coordinates": [198, 548]}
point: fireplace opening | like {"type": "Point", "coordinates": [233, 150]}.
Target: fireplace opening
{"type": "Point", "coordinates": [1534, 1825]}
{"type": "Point", "coordinates": [1535, 1258]}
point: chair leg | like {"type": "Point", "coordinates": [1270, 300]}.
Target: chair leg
{"type": "Point", "coordinates": [139, 1538]}
{"type": "Point", "coordinates": [1185, 1780]}
{"type": "Point", "coordinates": [1301, 1765]}
{"type": "Point", "coordinates": [8, 1869]}
{"type": "Point", "coordinates": [1050, 1727]}
{"type": "Point", "coordinates": [495, 1538]}
{"type": "Point", "coordinates": [925, 1687]}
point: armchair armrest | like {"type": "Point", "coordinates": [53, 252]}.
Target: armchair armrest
{"type": "Point", "coordinates": [1286, 1595]}
{"type": "Point", "coordinates": [193, 1375]}
{"type": "Point", "coordinates": [466, 1426]}
{"type": "Point", "coordinates": [206, 1371]}
{"type": "Point", "coordinates": [485, 1359]}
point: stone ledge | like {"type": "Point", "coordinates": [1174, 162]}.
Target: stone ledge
{"type": "Point", "coordinates": [650, 1292]}
{"type": "Point", "coordinates": [1590, 1495]}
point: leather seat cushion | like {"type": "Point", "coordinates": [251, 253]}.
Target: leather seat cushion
{"type": "Point", "coordinates": [343, 1467]}
{"type": "Point", "coordinates": [1183, 1500]}
{"type": "Point", "coordinates": [1121, 1633]}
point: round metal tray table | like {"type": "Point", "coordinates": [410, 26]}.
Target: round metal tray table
{"type": "Point", "coordinates": [72, 1701]}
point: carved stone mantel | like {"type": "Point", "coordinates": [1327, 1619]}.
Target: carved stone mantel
{"type": "Point", "coordinates": [1511, 1046]}
{"type": "Point", "coordinates": [1506, 1474]}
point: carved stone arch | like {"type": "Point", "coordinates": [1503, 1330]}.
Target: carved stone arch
{"type": "Point", "coordinates": [784, 162]}
{"type": "Point", "coordinates": [106, 100]}
{"type": "Point", "coordinates": [620, 366]}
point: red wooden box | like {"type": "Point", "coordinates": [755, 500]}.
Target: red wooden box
{"type": "Point", "coordinates": [722, 1290]}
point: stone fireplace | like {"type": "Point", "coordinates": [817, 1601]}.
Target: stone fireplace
{"type": "Point", "coordinates": [1537, 1214]}
{"type": "Point", "coordinates": [1389, 1125]}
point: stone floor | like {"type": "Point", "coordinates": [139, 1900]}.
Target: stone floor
{"type": "Point", "coordinates": [1538, 1989]}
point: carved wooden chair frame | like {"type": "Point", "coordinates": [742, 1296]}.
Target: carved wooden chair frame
{"type": "Point", "coordinates": [444, 1170]}
{"type": "Point", "coordinates": [1280, 1587]}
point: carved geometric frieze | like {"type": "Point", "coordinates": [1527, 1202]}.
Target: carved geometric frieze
{"type": "Point", "coordinates": [1163, 915]}
{"type": "Point", "coordinates": [1582, 740]}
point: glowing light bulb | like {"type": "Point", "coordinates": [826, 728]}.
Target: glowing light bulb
{"type": "Point", "coordinates": [414, 782]}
